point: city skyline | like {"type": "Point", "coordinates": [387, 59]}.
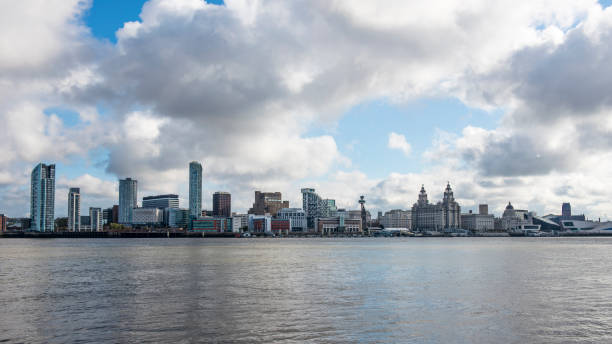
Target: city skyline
{"type": "Point", "coordinates": [274, 171]}
{"type": "Point", "coordinates": [314, 205]}
{"type": "Point", "coordinates": [498, 115]}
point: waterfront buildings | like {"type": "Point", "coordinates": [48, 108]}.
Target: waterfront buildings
{"type": "Point", "coordinates": [268, 203]}
{"type": "Point", "coordinates": [451, 210]}
{"type": "Point", "coordinates": [241, 221]}
{"type": "Point", "coordinates": [330, 207]}
{"type": "Point", "coordinates": [161, 201]}
{"type": "Point", "coordinates": [443, 216]}
{"type": "Point", "coordinates": [176, 217]}
{"type": "Point", "coordinates": [147, 216]}
{"type": "Point", "coordinates": [115, 213]}
{"type": "Point", "coordinates": [587, 227]}
{"type": "Point", "coordinates": [267, 224]}
{"type": "Point", "coordinates": [427, 216]}
{"type": "Point", "coordinates": [195, 188]}
{"type": "Point", "coordinates": [260, 223]}
{"type": "Point", "coordinates": [545, 224]}
{"type": "Point", "coordinates": [396, 218]}
{"type": "Point", "coordinates": [296, 216]}
{"type": "Point", "coordinates": [107, 216]}
{"type": "Point", "coordinates": [237, 224]}
{"type": "Point", "coordinates": [423, 216]}
{"type": "Point", "coordinates": [211, 224]}
{"type": "Point", "coordinates": [222, 204]}
{"type": "Point", "coordinates": [514, 218]}
{"type": "Point", "coordinates": [315, 207]}
{"type": "Point", "coordinates": [481, 222]}
{"type": "Point", "coordinates": [356, 214]}
{"type": "Point", "coordinates": [42, 198]}
{"type": "Point", "coordinates": [85, 223]}
{"type": "Point", "coordinates": [128, 199]}
{"type": "Point", "coordinates": [566, 214]}
{"type": "Point", "coordinates": [96, 219]}
{"type": "Point", "coordinates": [74, 210]}
{"type": "Point", "coordinates": [280, 226]}
{"type": "Point", "coordinates": [339, 224]}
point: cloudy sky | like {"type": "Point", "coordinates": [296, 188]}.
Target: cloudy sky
{"type": "Point", "coordinates": [507, 100]}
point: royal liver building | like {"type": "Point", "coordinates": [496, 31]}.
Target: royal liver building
{"type": "Point", "coordinates": [451, 209]}
{"type": "Point", "coordinates": [442, 216]}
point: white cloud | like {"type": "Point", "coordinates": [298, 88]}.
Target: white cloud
{"type": "Point", "coordinates": [95, 192]}
{"type": "Point", "coordinates": [398, 141]}
{"type": "Point", "coordinates": [240, 87]}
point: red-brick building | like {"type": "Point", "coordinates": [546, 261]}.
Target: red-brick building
{"type": "Point", "coordinates": [222, 204]}
{"type": "Point", "coordinates": [281, 226]}
{"type": "Point", "coordinates": [268, 203]}
{"type": "Point", "coordinates": [260, 225]}
{"type": "Point", "coordinates": [212, 224]}
{"type": "Point", "coordinates": [115, 214]}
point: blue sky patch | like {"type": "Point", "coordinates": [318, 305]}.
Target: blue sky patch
{"type": "Point", "coordinates": [105, 17]}
{"type": "Point", "coordinates": [69, 117]}
{"type": "Point", "coordinates": [362, 134]}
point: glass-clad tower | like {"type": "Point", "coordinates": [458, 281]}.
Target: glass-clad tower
{"type": "Point", "coordinates": [128, 199]}
{"type": "Point", "coordinates": [195, 188]}
{"type": "Point", "coordinates": [42, 198]}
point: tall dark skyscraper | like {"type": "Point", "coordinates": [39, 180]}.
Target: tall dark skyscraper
{"type": "Point", "coordinates": [222, 204]}
{"type": "Point", "coordinates": [195, 188]}
{"type": "Point", "coordinates": [42, 198]}
{"type": "Point", "coordinates": [566, 210]}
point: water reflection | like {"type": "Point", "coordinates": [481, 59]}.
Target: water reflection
{"type": "Point", "coordinates": [306, 290]}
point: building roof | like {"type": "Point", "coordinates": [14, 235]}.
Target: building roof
{"type": "Point", "coordinates": [160, 196]}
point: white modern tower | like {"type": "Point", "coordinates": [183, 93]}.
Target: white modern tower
{"type": "Point", "coordinates": [42, 198]}
{"type": "Point", "coordinates": [128, 199]}
{"type": "Point", "coordinates": [195, 188]}
{"type": "Point", "coordinates": [74, 210]}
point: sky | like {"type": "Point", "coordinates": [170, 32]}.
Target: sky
{"type": "Point", "coordinates": [509, 101]}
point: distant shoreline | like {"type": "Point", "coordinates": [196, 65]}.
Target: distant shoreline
{"type": "Point", "coordinates": [183, 234]}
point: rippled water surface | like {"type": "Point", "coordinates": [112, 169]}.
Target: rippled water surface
{"type": "Point", "coordinates": [446, 290]}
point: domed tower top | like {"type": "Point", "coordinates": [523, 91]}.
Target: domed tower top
{"type": "Point", "coordinates": [448, 194]}
{"type": "Point", "coordinates": [423, 196]}
{"type": "Point", "coordinates": [509, 212]}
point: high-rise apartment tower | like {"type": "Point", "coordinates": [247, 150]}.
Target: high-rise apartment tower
{"type": "Point", "coordinates": [42, 198]}
{"type": "Point", "coordinates": [195, 188]}
{"type": "Point", "coordinates": [74, 210]}
{"type": "Point", "coordinates": [128, 199]}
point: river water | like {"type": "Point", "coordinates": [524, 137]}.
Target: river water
{"type": "Point", "coordinates": [383, 290]}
